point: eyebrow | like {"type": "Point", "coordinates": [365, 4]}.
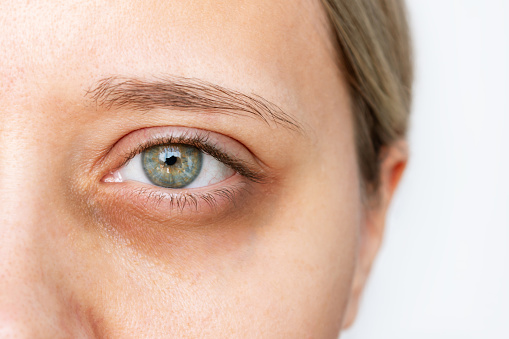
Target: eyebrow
{"type": "Point", "coordinates": [186, 94]}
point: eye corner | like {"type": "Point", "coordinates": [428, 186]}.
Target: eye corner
{"type": "Point", "coordinates": [112, 177]}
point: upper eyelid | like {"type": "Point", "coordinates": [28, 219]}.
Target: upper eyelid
{"type": "Point", "coordinates": [128, 155]}
{"type": "Point", "coordinates": [200, 139]}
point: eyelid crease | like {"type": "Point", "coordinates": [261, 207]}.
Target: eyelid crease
{"type": "Point", "coordinates": [200, 141]}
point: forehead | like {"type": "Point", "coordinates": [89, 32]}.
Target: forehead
{"type": "Point", "coordinates": [260, 46]}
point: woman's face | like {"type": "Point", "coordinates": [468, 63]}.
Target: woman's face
{"type": "Point", "coordinates": [265, 244]}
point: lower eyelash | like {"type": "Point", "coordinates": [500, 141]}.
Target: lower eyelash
{"type": "Point", "coordinates": [182, 200]}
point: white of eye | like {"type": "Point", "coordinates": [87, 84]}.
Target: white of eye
{"type": "Point", "coordinates": [212, 172]}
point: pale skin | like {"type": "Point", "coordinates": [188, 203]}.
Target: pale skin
{"type": "Point", "coordinates": [80, 259]}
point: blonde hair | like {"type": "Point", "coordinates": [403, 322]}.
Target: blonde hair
{"type": "Point", "coordinates": [375, 56]}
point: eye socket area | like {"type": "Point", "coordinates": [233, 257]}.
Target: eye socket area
{"type": "Point", "coordinates": [230, 174]}
{"type": "Point", "coordinates": [173, 166]}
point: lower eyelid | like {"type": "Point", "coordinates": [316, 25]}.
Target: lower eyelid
{"type": "Point", "coordinates": [142, 216]}
{"type": "Point", "coordinates": [163, 204]}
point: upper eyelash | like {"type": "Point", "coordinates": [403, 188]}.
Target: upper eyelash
{"type": "Point", "coordinates": [200, 141]}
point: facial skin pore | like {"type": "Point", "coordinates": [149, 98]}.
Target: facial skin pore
{"type": "Point", "coordinates": [81, 257]}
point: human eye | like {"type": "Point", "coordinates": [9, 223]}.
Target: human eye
{"type": "Point", "coordinates": [183, 167]}
{"type": "Point", "coordinates": [174, 165]}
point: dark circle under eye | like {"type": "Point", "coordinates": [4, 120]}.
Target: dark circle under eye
{"type": "Point", "coordinates": [173, 165]}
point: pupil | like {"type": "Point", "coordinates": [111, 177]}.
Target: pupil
{"type": "Point", "coordinates": [171, 161]}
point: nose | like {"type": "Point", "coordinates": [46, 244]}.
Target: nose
{"type": "Point", "coordinates": [28, 292]}
{"type": "Point", "coordinates": [36, 297]}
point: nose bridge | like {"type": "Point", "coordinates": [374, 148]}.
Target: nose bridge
{"type": "Point", "coordinates": [22, 168]}
{"type": "Point", "coordinates": [29, 288]}
{"type": "Point", "coordinates": [21, 269]}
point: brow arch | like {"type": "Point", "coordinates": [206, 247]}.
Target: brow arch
{"type": "Point", "coordinates": [187, 94]}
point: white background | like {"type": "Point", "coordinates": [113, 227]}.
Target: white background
{"type": "Point", "coordinates": [444, 269]}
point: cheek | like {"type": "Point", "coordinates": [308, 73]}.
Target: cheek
{"type": "Point", "coordinates": [295, 276]}
{"type": "Point", "coordinates": [314, 243]}
{"type": "Point", "coordinates": [289, 274]}
{"type": "Point", "coordinates": [291, 277]}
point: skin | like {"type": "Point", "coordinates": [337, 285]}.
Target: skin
{"type": "Point", "coordinates": [80, 260]}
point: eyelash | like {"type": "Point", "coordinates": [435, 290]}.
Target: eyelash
{"type": "Point", "coordinates": [181, 198]}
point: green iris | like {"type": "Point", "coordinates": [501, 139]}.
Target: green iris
{"type": "Point", "coordinates": [173, 165]}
